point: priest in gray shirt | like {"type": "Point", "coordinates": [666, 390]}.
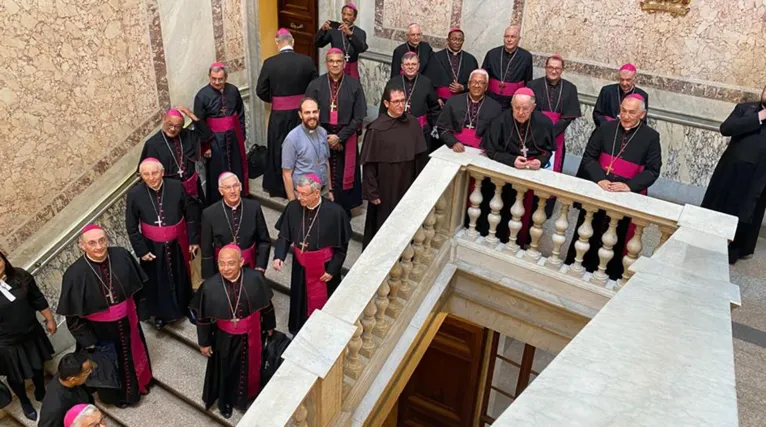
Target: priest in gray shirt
{"type": "Point", "coordinates": [306, 151]}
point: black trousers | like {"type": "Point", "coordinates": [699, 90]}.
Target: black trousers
{"type": "Point", "coordinates": [38, 379]}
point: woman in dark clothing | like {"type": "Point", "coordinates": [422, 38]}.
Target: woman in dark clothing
{"type": "Point", "coordinates": [24, 347]}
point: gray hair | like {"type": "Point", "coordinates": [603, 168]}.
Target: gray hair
{"type": "Point", "coordinates": [213, 69]}
{"type": "Point", "coordinates": [286, 38]}
{"type": "Point", "coordinates": [226, 175]}
{"type": "Point", "coordinates": [88, 411]}
{"type": "Point", "coordinates": [303, 181]}
{"type": "Point", "coordinates": [479, 71]}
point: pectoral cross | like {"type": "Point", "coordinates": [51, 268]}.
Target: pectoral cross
{"type": "Point", "coordinates": [223, 110]}
{"type": "Point", "coordinates": [235, 321]}
{"type": "Point", "coordinates": [469, 126]}
{"type": "Point", "coordinates": [502, 85]}
{"type": "Point", "coordinates": [159, 221]}
{"type": "Point", "coordinates": [524, 151]}
{"type": "Point", "coordinates": [110, 297]}
{"type": "Point", "coordinates": [181, 173]}
{"type": "Point", "coordinates": [347, 57]}
{"type": "Point", "coordinates": [609, 170]}
{"type": "Point", "coordinates": [303, 246]}
{"type": "Point", "coordinates": [407, 107]}
{"type": "Point", "coordinates": [333, 107]}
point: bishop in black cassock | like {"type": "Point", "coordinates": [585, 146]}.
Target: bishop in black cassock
{"type": "Point", "coordinates": [178, 149]}
{"type": "Point", "coordinates": [283, 81]}
{"type": "Point", "coordinates": [466, 117]}
{"type": "Point", "coordinates": [220, 105]}
{"type": "Point", "coordinates": [509, 68]}
{"type": "Point", "coordinates": [738, 185]}
{"type": "Point", "coordinates": [234, 312]}
{"type": "Point", "coordinates": [420, 98]}
{"type": "Point", "coordinates": [347, 37]}
{"type": "Point", "coordinates": [450, 68]}
{"type": "Point", "coordinates": [611, 96]}
{"type": "Point", "coordinates": [622, 155]}
{"type": "Point", "coordinates": [100, 297]}
{"type": "Point", "coordinates": [521, 138]}
{"type": "Point", "coordinates": [318, 231]}
{"type": "Point", "coordinates": [557, 99]}
{"type": "Point", "coordinates": [413, 44]}
{"type": "Point", "coordinates": [342, 108]}
{"type": "Point", "coordinates": [393, 154]}
{"type": "Point", "coordinates": [163, 232]}
{"type": "Point", "coordinates": [234, 220]}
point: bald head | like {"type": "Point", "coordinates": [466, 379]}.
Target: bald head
{"type": "Point", "coordinates": [230, 262]}
{"type": "Point", "coordinates": [511, 38]}
{"type": "Point", "coordinates": [414, 34]}
{"type": "Point", "coordinates": [95, 244]}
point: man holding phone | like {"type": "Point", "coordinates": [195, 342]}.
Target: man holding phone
{"type": "Point", "coordinates": [345, 36]}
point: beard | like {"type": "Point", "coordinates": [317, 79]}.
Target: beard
{"type": "Point", "coordinates": [311, 124]}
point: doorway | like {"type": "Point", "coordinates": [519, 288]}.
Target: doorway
{"type": "Point", "coordinates": [301, 18]}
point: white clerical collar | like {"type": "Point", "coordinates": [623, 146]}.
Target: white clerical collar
{"type": "Point", "coordinates": [235, 207]}
{"type": "Point", "coordinates": [454, 52]}
{"type": "Point", "coordinates": [5, 289]}
{"type": "Point", "coordinates": [156, 190]}
{"type": "Point", "coordinates": [628, 130]}
{"type": "Point", "coordinates": [307, 130]}
{"type": "Point", "coordinates": [311, 208]}
{"type": "Point", "coordinates": [234, 280]}
{"type": "Point", "coordinates": [98, 262]}
{"type": "Point", "coordinates": [475, 102]}
{"type": "Point", "coordinates": [389, 115]}
{"type": "Point", "coordinates": [284, 48]}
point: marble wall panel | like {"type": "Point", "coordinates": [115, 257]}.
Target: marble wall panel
{"type": "Point", "coordinates": [234, 34]}
{"type": "Point", "coordinates": [717, 42]}
{"type": "Point", "coordinates": [373, 75]}
{"type": "Point", "coordinates": [79, 81]}
{"type": "Point", "coordinates": [188, 53]}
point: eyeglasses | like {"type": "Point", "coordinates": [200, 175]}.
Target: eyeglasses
{"type": "Point", "coordinates": [397, 101]}
{"type": "Point", "coordinates": [301, 196]}
{"type": "Point", "coordinates": [231, 187]}
{"type": "Point", "coordinates": [174, 127]}
{"type": "Point", "coordinates": [99, 423]}
{"type": "Point", "coordinates": [553, 68]}
{"type": "Point", "coordinates": [95, 243]}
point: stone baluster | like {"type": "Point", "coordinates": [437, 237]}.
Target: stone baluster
{"type": "Point", "coordinates": [536, 231]}
{"type": "Point", "coordinates": [300, 417]}
{"type": "Point", "coordinates": [582, 245]}
{"type": "Point", "coordinates": [353, 365]}
{"type": "Point", "coordinates": [634, 247]}
{"type": "Point", "coordinates": [441, 222]}
{"type": "Point", "coordinates": [517, 211]}
{"type": "Point", "coordinates": [381, 303]}
{"type": "Point", "coordinates": [368, 325]}
{"type": "Point", "coordinates": [417, 244]}
{"type": "Point", "coordinates": [665, 233]}
{"type": "Point", "coordinates": [562, 225]}
{"type": "Point", "coordinates": [394, 282]}
{"type": "Point", "coordinates": [474, 211]}
{"type": "Point", "coordinates": [430, 232]}
{"type": "Point", "coordinates": [495, 206]}
{"type": "Point", "coordinates": [405, 290]}
{"type": "Point", "coordinates": [605, 252]}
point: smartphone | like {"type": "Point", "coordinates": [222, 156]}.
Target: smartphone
{"type": "Point", "coordinates": [334, 25]}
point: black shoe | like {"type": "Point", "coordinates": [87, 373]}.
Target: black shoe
{"type": "Point", "coordinates": [29, 411]}
{"type": "Point", "coordinates": [226, 411]}
{"type": "Point", "coordinates": [122, 405]}
{"type": "Point", "coordinates": [159, 324]}
{"type": "Point", "coordinates": [39, 394]}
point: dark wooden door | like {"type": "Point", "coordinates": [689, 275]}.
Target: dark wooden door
{"type": "Point", "coordinates": [444, 387]}
{"type": "Point", "coordinates": [300, 17]}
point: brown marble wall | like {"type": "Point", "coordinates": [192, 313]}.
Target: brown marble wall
{"type": "Point", "coordinates": [85, 81]}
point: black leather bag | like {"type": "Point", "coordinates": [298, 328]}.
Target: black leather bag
{"type": "Point", "coordinates": [106, 374]}
{"type": "Point", "coordinates": [271, 356]}
{"type": "Point", "coordinates": [5, 395]}
{"type": "Point", "coordinates": [256, 161]}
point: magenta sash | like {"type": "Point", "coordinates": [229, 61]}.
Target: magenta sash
{"type": "Point", "coordinates": [508, 89]}
{"type": "Point", "coordinates": [352, 69]}
{"type": "Point", "coordinates": [468, 137]}
{"type": "Point", "coordinates": [285, 103]}
{"type": "Point", "coordinates": [223, 124]}
{"type": "Point", "coordinates": [558, 161]}
{"type": "Point", "coordinates": [627, 170]}
{"type": "Point", "coordinates": [313, 265]}
{"type": "Point", "coordinates": [423, 120]}
{"type": "Point", "coordinates": [610, 118]}
{"type": "Point", "coordinates": [349, 153]}
{"type": "Point", "coordinates": [190, 185]}
{"type": "Point", "coordinates": [443, 92]}
{"type": "Point", "coordinates": [166, 234]}
{"type": "Point", "coordinates": [138, 350]}
{"type": "Point", "coordinates": [250, 325]}
{"type": "Point", "coordinates": [247, 254]}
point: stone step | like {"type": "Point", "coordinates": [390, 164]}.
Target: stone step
{"type": "Point", "coordinates": [278, 204]}
{"type": "Point", "coordinates": [8, 421]}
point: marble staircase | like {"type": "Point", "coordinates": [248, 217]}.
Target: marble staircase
{"type": "Point", "coordinates": [179, 367]}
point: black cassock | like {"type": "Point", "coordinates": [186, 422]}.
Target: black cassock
{"type": "Point", "coordinates": [460, 113]}
{"type": "Point", "coordinates": [58, 400]}
{"type": "Point", "coordinates": [283, 81]}
{"type": "Point", "coordinates": [393, 154]}
{"type": "Point", "coordinates": [446, 67]}
{"type": "Point", "coordinates": [421, 102]}
{"type": "Point", "coordinates": [169, 287]}
{"type": "Point", "coordinates": [91, 294]}
{"type": "Point", "coordinates": [559, 102]}
{"type": "Point", "coordinates": [331, 229]}
{"type": "Point", "coordinates": [351, 109]}
{"type": "Point", "coordinates": [738, 185]}
{"type": "Point", "coordinates": [24, 347]}
{"type": "Point", "coordinates": [224, 113]}
{"type": "Point", "coordinates": [507, 73]}
{"type": "Point", "coordinates": [232, 320]}
{"type": "Point", "coordinates": [608, 103]}
{"type": "Point", "coordinates": [424, 51]}
{"type": "Point", "coordinates": [221, 222]}
{"type": "Point", "coordinates": [503, 143]}
{"type": "Point", "coordinates": [351, 46]}
{"type": "Point", "coordinates": [179, 157]}
{"type": "Point", "coordinates": [638, 166]}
